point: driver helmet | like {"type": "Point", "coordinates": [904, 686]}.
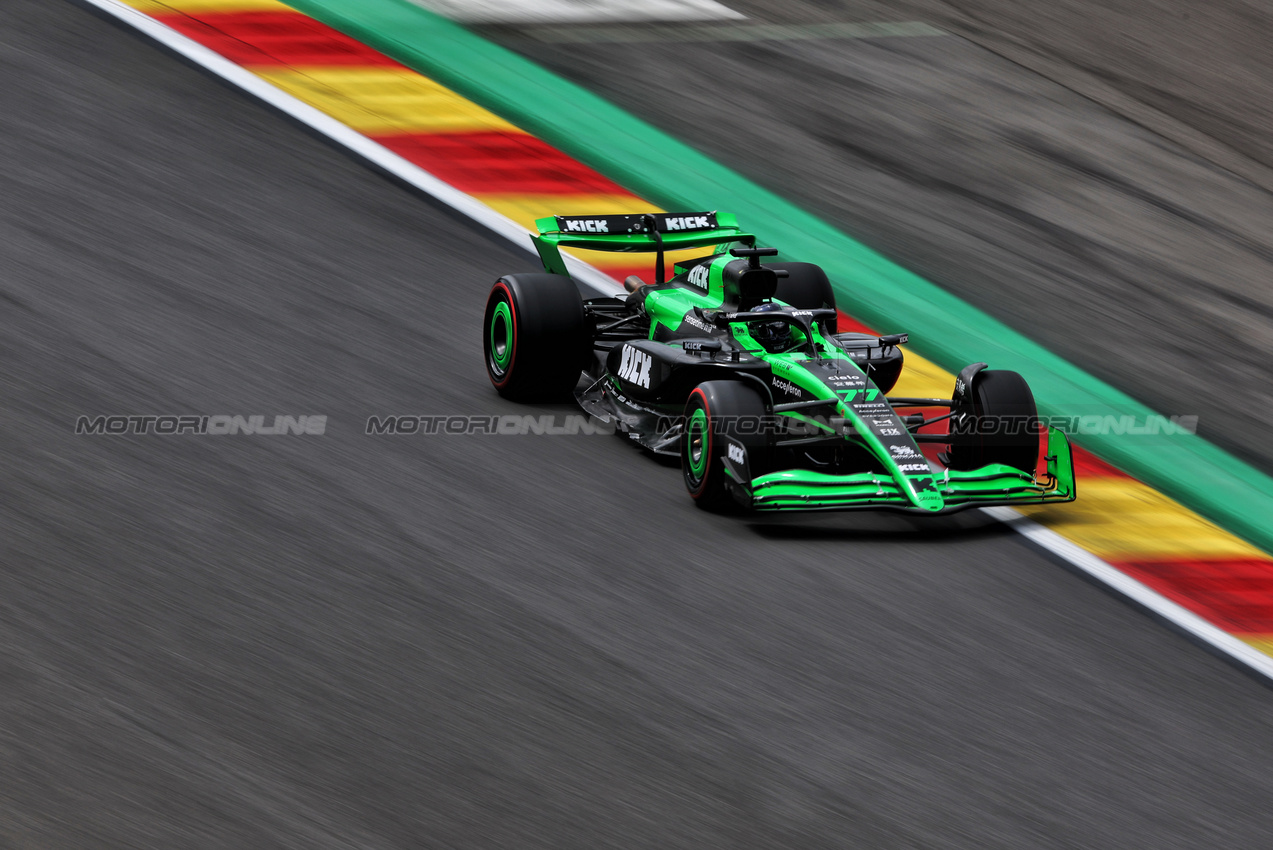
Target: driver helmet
{"type": "Point", "coordinates": [774, 336]}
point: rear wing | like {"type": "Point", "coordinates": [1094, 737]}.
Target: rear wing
{"type": "Point", "coordinates": [641, 232]}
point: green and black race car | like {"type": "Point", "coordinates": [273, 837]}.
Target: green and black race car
{"type": "Point", "coordinates": [736, 365]}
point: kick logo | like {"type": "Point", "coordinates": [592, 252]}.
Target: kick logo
{"type": "Point", "coordinates": [698, 277]}
{"type": "Point", "coordinates": [591, 225]}
{"type": "Point", "coordinates": [736, 453]}
{"type": "Point", "coordinates": [689, 222]}
{"type": "Point", "coordinates": [635, 367]}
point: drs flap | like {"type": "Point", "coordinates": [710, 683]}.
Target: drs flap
{"type": "Point", "coordinates": [673, 222]}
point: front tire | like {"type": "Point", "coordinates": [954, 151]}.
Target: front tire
{"type": "Point", "coordinates": [716, 413]}
{"type": "Point", "coordinates": [534, 336]}
{"type": "Point", "coordinates": [996, 422]}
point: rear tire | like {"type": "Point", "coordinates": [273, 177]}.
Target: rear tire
{"type": "Point", "coordinates": [997, 422]}
{"type": "Point", "coordinates": [717, 410]}
{"type": "Point", "coordinates": [534, 337]}
{"type": "Point", "coordinates": [806, 288]}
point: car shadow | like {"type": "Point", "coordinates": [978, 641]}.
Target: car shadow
{"type": "Point", "coordinates": [878, 526]}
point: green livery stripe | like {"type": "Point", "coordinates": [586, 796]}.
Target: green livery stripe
{"type": "Point", "coordinates": [501, 332]}
{"type": "Point", "coordinates": [675, 176]}
{"type": "Point", "coordinates": [697, 429]}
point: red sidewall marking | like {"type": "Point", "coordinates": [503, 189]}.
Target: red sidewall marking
{"type": "Point", "coordinates": [702, 484]}
{"type": "Point", "coordinates": [512, 333]}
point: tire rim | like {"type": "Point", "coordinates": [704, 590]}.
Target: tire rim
{"type": "Point", "coordinates": [696, 445]}
{"type": "Point", "coordinates": [501, 338]}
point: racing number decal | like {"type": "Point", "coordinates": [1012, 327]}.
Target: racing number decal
{"type": "Point", "coordinates": [851, 395]}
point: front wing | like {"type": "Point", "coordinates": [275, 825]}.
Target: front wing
{"type": "Point", "coordinates": [996, 484]}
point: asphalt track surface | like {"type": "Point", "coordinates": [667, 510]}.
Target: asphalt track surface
{"type": "Point", "coordinates": [1096, 175]}
{"type": "Point", "coordinates": [476, 642]}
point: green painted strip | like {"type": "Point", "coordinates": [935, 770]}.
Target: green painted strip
{"type": "Point", "coordinates": [675, 176]}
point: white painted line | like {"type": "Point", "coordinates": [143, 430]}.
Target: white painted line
{"type": "Point", "coordinates": [604, 284]}
{"type": "Point", "coordinates": [359, 144]}
{"type": "Point", "coordinates": [1142, 595]}
{"type": "Point", "coordinates": [577, 11]}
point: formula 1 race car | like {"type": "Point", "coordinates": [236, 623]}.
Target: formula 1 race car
{"type": "Point", "coordinates": [735, 365]}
